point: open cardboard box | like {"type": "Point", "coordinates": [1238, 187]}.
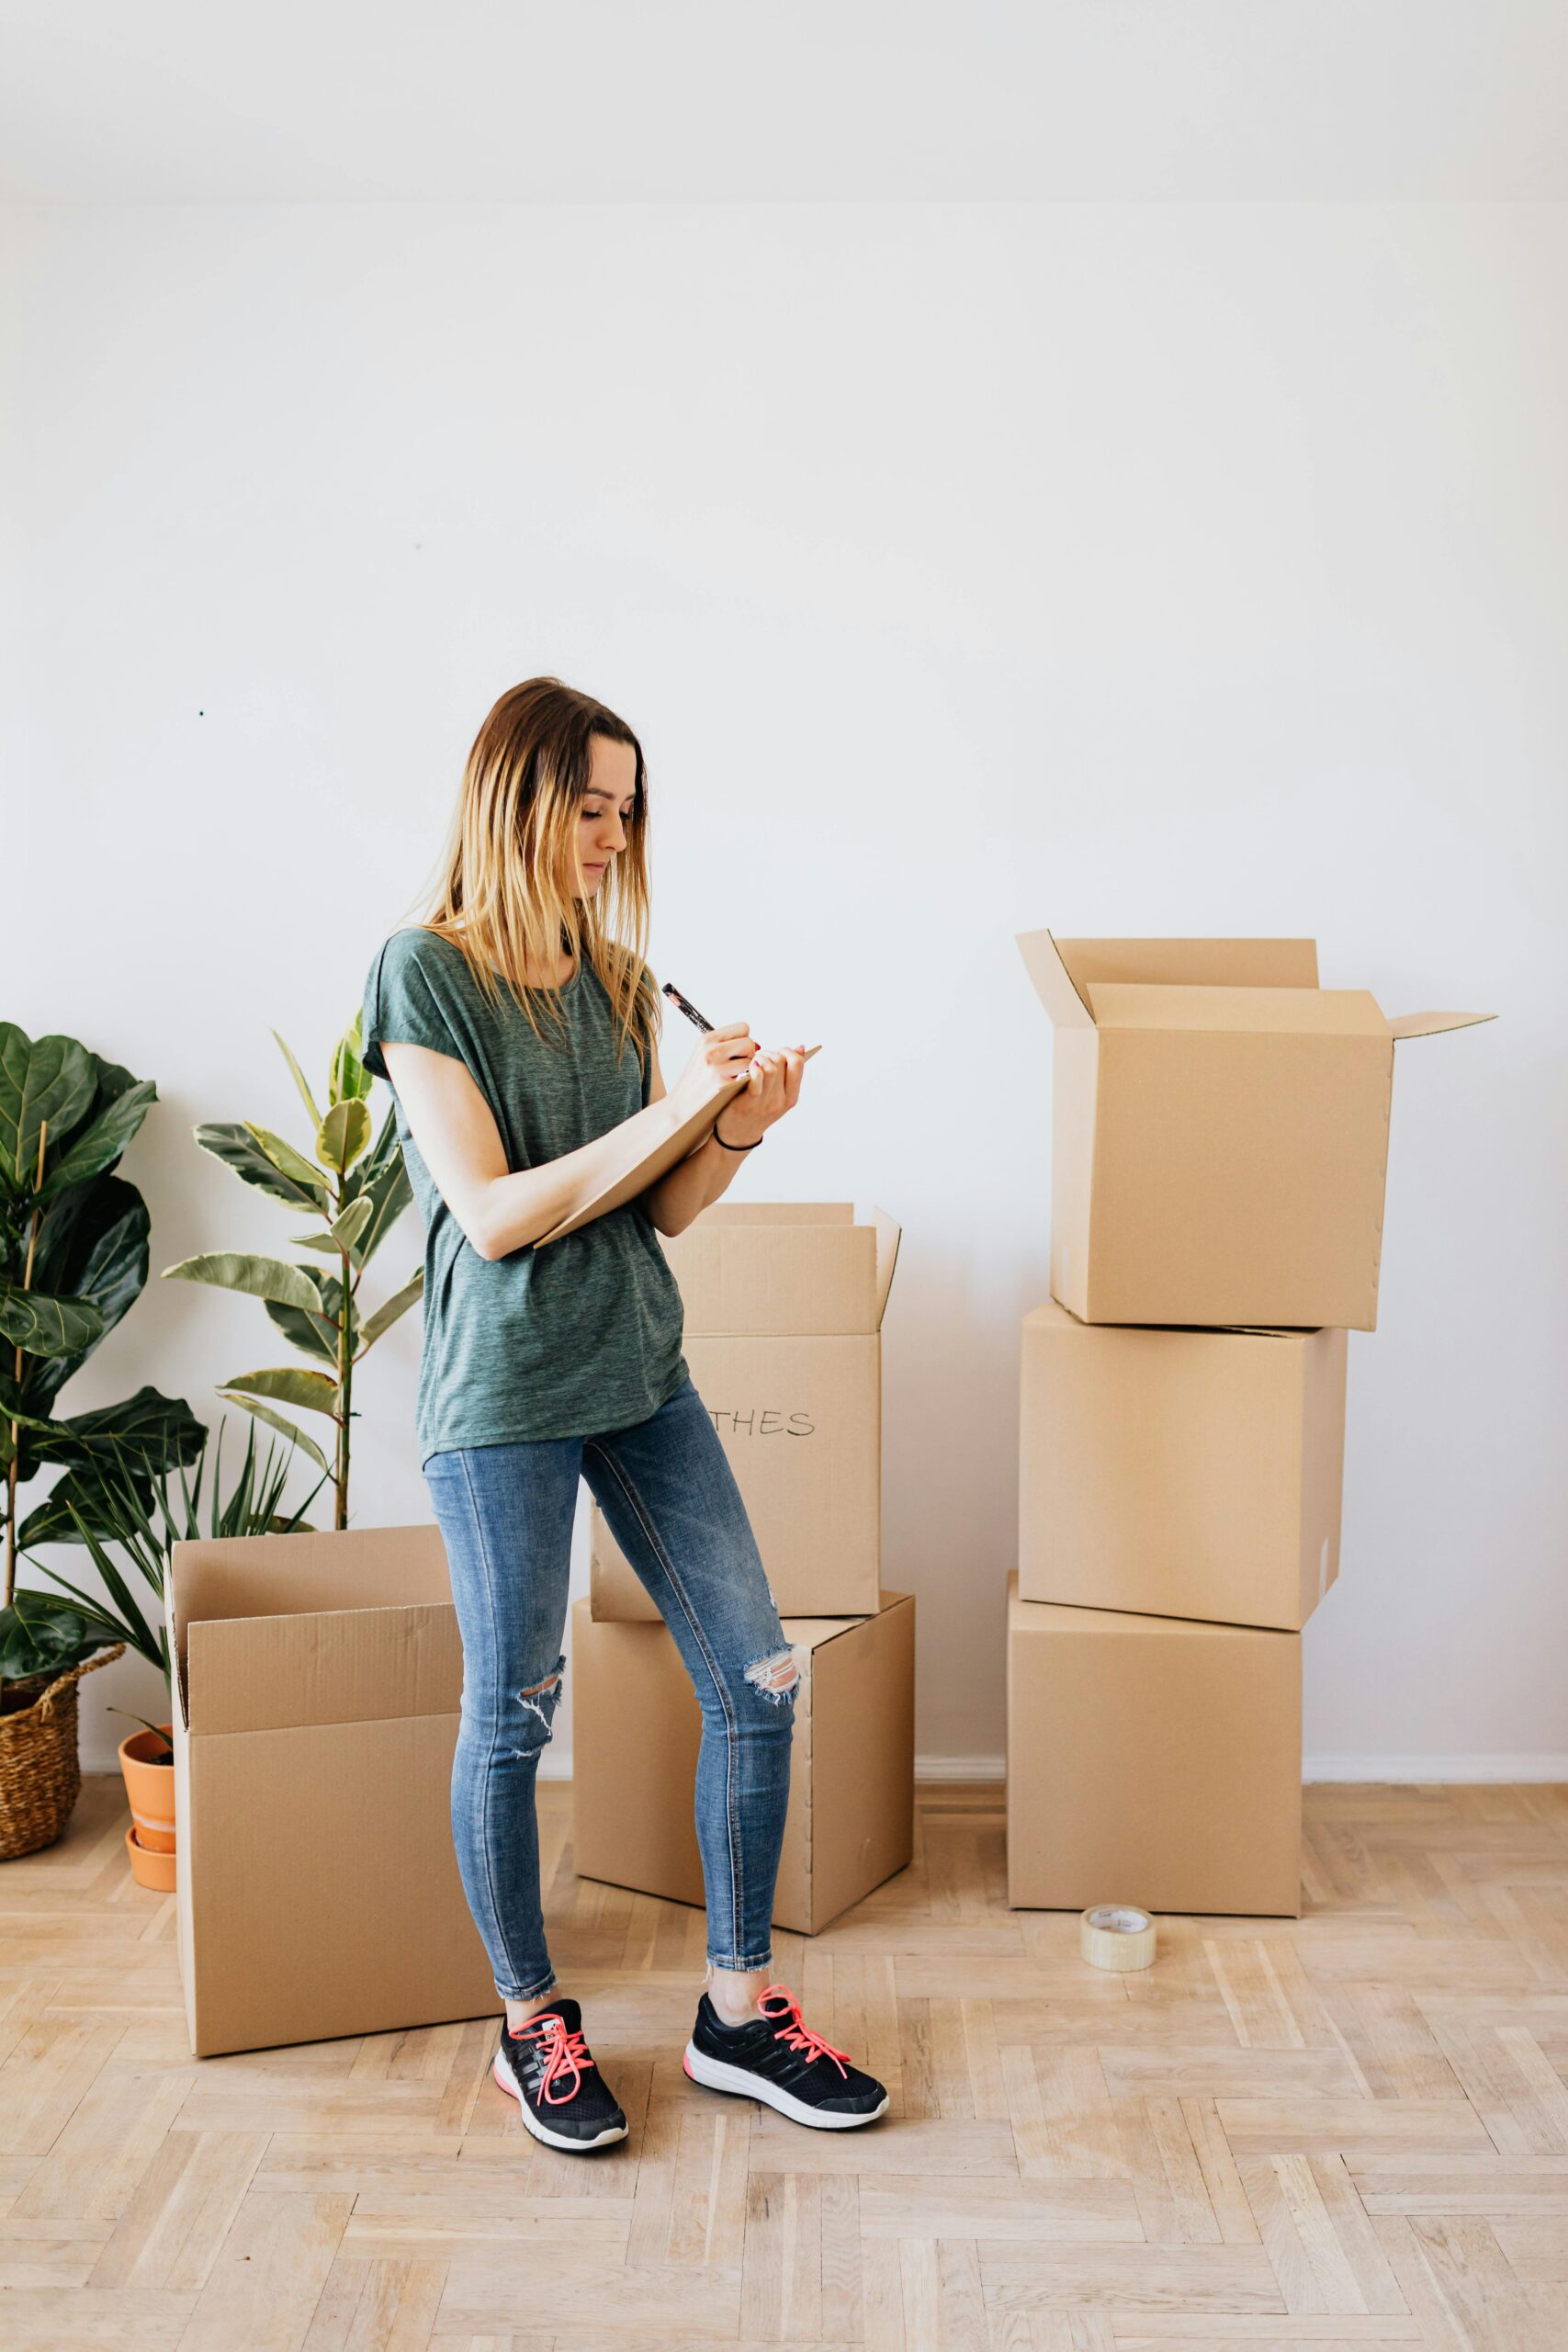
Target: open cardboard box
{"type": "Point", "coordinates": [1151, 1760]}
{"type": "Point", "coordinates": [1219, 1131]}
{"type": "Point", "coordinates": [784, 1304]}
{"type": "Point", "coordinates": [636, 1729]}
{"type": "Point", "coordinates": [317, 1684]}
{"type": "Point", "coordinates": [1179, 1472]}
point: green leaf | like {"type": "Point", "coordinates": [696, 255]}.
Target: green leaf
{"type": "Point", "coordinates": [350, 1079]}
{"type": "Point", "coordinates": [126, 1613]}
{"type": "Point", "coordinates": [343, 1233]}
{"type": "Point", "coordinates": [289, 1385]}
{"type": "Point", "coordinates": [381, 1178]}
{"type": "Point", "coordinates": [101, 1144]}
{"type": "Point", "coordinates": [305, 1094]}
{"type": "Point", "coordinates": [45, 1326]}
{"type": "Point", "coordinates": [40, 1634]}
{"type": "Point", "coordinates": [78, 1496]}
{"type": "Point", "coordinates": [276, 1420]}
{"type": "Point", "coordinates": [317, 1334]}
{"type": "Point", "coordinates": [53, 1078]}
{"type": "Point", "coordinates": [127, 1444]}
{"type": "Point", "coordinates": [384, 1317]}
{"type": "Point", "coordinates": [92, 1244]}
{"type": "Point", "coordinates": [270, 1278]}
{"type": "Point", "coordinates": [283, 1157]}
{"type": "Point", "coordinates": [342, 1133]}
{"type": "Point", "coordinates": [232, 1143]}
{"type": "Point", "coordinates": [348, 1226]}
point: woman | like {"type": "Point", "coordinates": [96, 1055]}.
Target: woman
{"type": "Point", "coordinates": [517, 1026]}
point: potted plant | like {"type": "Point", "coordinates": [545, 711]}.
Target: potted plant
{"type": "Point", "coordinates": [136, 1531]}
{"type": "Point", "coordinates": [357, 1187]}
{"type": "Point", "coordinates": [73, 1257]}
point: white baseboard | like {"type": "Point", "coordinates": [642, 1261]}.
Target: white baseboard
{"type": "Point", "coordinates": [1431, 1769]}
{"type": "Point", "coordinates": [1387, 1769]}
{"type": "Point", "coordinates": [1375, 1769]}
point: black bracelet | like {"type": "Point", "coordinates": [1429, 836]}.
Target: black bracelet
{"type": "Point", "coordinates": [732, 1146]}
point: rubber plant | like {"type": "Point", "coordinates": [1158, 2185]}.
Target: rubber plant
{"type": "Point", "coordinates": [74, 1258]}
{"type": "Point", "coordinates": [358, 1188]}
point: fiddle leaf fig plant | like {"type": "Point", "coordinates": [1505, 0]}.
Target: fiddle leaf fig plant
{"type": "Point", "coordinates": [73, 1254]}
{"type": "Point", "coordinates": [355, 1181]}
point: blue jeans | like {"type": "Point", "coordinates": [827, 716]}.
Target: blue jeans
{"type": "Point", "coordinates": [671, 1501]}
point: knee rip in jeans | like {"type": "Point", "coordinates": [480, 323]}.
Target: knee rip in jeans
{"type": "Point", "coordinates": [540, 1701]}
{"type": "Point", "coordinates": [776, 1676]}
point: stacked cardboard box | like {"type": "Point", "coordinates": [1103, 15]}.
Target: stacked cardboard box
{"type": "Point", "coordinates": [1219, 1154]}
{"type": "Point", "coordinates": [784, 1304]}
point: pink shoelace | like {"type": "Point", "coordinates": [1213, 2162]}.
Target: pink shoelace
{"type": "Point", "coordinates": [793, 2030]}
{"type": "Point", "coordinates": [563, 2050]}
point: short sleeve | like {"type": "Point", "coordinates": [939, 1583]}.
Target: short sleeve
{"type": "Point", "coordinates": [404, 1004]}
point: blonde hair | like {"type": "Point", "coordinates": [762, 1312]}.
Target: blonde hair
{"type": "Point", "coordinates": [505, 889]}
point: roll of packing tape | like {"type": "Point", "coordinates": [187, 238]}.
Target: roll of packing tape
{"type": "Point", "coordinates": [1117, 1935]}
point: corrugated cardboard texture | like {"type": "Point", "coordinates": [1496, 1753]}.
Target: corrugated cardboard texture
{"type": "Point", "coordinates": [1220, 1132]}
{"type": "Point", "coordinates": [790, 1268]}
{"type": "Point", "coordinates": [635, 1732]}
{"type": "Point", "coordinates": [1188, 963]}
{"type": "Point", "coordinates": [317, 1891]}
{"type": "Point", "coordinates": [321, 1884]}
{"type": "Point", "coordinates": [1152, 1761]}
{"type": "Point", "coordinates": [1179, 1472]}
{"type": "Point", "coordinates": [800, 1421]}
{"type": "Point", "coordinates": [339, 1666]}
{"type": "Point", "coordinates": [1238, 1178]}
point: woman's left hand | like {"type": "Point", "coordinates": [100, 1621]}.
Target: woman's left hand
{"type": "Point", "coordinates": [771, 1088]}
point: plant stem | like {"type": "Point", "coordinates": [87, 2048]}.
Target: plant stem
{"type": "Point", "coordinates": [16, 1375]}
{"type": "Point", "coordinates": [345, 1382]}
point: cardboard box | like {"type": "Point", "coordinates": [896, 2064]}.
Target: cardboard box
{"type": "Point", "coordinates": [635, 1728]}
{"type": "Point", "coordinates": [784, 1304]}
{"type": "Point", "coordinates": [792, 1268]}
{"type": "Point", "coordinates": [317, 1682]}
{"type": "Point", "coordinates": [1181, 1474]}
{"type": "Point", "coordinates": [1152, 1760]}
{"type": "Point", "coordinates": [1219, 1131]}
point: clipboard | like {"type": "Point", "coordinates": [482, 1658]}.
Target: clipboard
{"type": "Point", "coordinates": [656, 1161]}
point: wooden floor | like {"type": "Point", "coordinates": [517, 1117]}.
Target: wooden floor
{"type": "Point", "coordinates": [1348, 2130]}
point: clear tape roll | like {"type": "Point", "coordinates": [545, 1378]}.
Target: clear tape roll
{"type": "Point", "coordinates": [1117, 1935]}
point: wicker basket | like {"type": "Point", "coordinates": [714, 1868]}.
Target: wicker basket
{"type": "Point", "coordinates": [40, 1773]}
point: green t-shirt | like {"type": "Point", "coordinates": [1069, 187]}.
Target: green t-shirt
{"type": "Point", "coordinates": [566, 1342]}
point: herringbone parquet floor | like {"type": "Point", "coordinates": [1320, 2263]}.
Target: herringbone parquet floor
{"type": "Point", "coordinates": [1346, 2131]}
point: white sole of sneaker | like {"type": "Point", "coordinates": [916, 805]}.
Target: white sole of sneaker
{"type": "Point", "coordinates": [503, 2074]}
{"type": "Point", "coordinates": [714, 2075]}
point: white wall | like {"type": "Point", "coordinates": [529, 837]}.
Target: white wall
{"type": "Point", "coordinates": [1128, 569]}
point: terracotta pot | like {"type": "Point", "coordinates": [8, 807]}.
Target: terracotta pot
{"type": "Point", "coordinates": [150, 1790]}
{"type": "Point", "coordinates": [150, 1869]}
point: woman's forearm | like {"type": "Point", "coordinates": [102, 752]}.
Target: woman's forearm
{"type": "Point", "coordinates": [691, 1185]}
{"type": "Point", "coordinates": [519, 1208]}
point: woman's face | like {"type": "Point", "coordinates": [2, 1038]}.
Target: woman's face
{"type": "Point", "coordinates": [607, 804]}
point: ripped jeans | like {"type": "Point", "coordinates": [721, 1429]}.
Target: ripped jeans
{"type": "Point", "coordinates": [671, 1501]}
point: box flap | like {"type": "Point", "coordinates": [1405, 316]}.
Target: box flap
{"type": "Point", "coordinates": [888, 1235]}
{"type": "Point", "coordinates": [811, 1633]}
{"type": "Point", "coordinates": [1435, 1024]}
{"type": "Point", "coordinates": [1190, 963]}
{"type": "Point", "coordinates": [332, 1666]}
{"type": "Point", "coordinates": [777, 1213]}
{"type": "Point", "coordinates": [1053, 983]}
{"type": "Point", "coordinates": [315, 1570]}
{"type": "Point", "coordinates": [1297, 1011]}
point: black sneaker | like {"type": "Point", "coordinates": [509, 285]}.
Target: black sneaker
{"type": "Point", "coordinates": [778, 2059]}
{"type": "Point", "coordinates": [565, 2100]}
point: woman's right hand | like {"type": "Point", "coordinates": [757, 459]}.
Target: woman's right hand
{"type": "Point", "coordinates": [720, 1054]}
